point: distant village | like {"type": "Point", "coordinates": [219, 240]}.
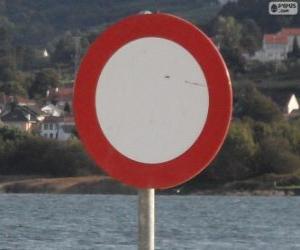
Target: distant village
{"type": "Point", "coordinates": [52, 119]}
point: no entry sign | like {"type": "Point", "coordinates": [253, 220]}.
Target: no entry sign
{"type": "Point", "coordinates": [152, 101]}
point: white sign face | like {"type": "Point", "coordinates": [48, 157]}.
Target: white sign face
{"type": "Point", "coordinates": [152, 100]}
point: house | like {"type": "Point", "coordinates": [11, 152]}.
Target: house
{"type": "Point", "coordinates": [52, 110]}
{"type": "Point", "coordinates": [61, 97]}
{"type": "Point", "coordinates": [287, 102]}
{"type": "Point", "coordinates": [23, 101]}
{"type": "Point", "coordinates": [276, 46]}
{"type": "Point", "coordinates": [21, 117]}
{"type": "Point", "coordinates": [45, 53]}
{"type": "Point", "coordinates": [67, 129]}
{"type": "Point", "coordinates": [5, 101]}
{"type": "Point", "coordinates": [59, 128]}
{"type": "Point", "coordinates": [292, 104]}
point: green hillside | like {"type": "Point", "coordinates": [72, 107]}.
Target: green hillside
{"type": "Point", "coordinates": [38, 22]}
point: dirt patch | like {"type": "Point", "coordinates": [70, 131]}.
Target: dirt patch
{"type": "Point", "coordinates": [72, 185]}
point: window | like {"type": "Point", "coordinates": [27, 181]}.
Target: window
{"type": "Point", "coordinates": [50, 126]}
{"type": "Point", "coordinates": [45, 126]}
{"type": "Point", "coordinates": [50, 135]}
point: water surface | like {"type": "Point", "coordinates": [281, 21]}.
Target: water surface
{"type": "Point", "coordinates": [183, 222]}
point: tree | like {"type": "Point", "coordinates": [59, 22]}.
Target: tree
{"type": "Point", "coordinates": [251, 36]}
{"type": "Point", "coordinates": [249, 102]}
{"type": "Point", "coordinates": [257, 10]}
{"type": "Point", "coordinates": [228, 32]}
{"type": "Point", "coordinates": [44, 80]}
{"type": "Point", "coordinates": [25, 154]}
{"type": "Point", "coordinates": [237, 158]}
{"type": "Point", "coordinates": [275, 156]}
{"type": "Point", "coordinates": [64, 51]}
{"type": "Point", "coordinates": [234, 59]}
{"type": "Point", "coordinates": [7, 57]}
{"type": "Point", "coordinates": [295, 53]}
{"type": "Point", "coordinates": [67, 108]}
{"type": "Point", "coordinates": [278, 147]}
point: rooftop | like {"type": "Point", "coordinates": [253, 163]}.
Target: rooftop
{"type": "Point", "coordinates": [290, 31]}
{"type": "Point", "coordinates": [275, 39]}
{"type": "Point", "coordinates": [20, 114]}
{"type": "Point", "coordinates": [282, 36]}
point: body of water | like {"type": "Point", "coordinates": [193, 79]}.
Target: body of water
{"type": "Point", "coordinates": [183, 222]}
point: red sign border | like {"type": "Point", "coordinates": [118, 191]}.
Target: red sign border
{"type": "Point", "coordinates": [200, 154]}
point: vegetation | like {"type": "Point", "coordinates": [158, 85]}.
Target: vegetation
{"type": "Point", "coordinates": [37, 22]}
{"type": "Point", "coordinates": [44, 80]}
{"type": "Point", "coordinates": [24, 154]}
{"type": "Point", "coordinates": [257, 10]}
{"type": "Point", "coordinates": [261, 142]}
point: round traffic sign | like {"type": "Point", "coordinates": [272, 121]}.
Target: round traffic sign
{"type": "Point", "coordinates": [152, 101]}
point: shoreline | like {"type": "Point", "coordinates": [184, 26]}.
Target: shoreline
{"type": "Point", "coordinates": [105, 185]}
{"type": "Point", "coordinates": [63, 185]}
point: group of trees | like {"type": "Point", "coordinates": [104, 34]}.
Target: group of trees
{"type": "Point", "coordinates": [239, 28]}
{"type": "Point", "coordinates": [254, 148]}
{"type": "Point", "coordinates": [38, 22]}
{"type": "Point", "coordinates": [260, 141]}
{"type": "Point", "coordinates": [258, 10]}
{"type": "Point", "coordinates": [27, 71]}
{"type": "Point", "coordinates": [21, 68]}
{"type": "Point", "coordinates": [25, 154]}
{"type": "Point", "coordinates": [234, 37]}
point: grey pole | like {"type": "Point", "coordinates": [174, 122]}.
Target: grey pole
{"type": "Point", "coordinates": [146, 219]}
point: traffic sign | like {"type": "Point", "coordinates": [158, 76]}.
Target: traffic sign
{"type": "Point", "coordinates": [152, 101]}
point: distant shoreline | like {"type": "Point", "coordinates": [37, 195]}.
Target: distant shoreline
{"type": "Point", "coordinates": [106, 185]}
{"type": "Point", "coordinates": [65, 185]}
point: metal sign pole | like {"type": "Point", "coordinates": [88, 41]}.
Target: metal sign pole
{"type": "Point", "coordinates": [146, 219]}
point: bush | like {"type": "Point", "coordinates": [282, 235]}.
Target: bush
{"type": "Point", "coordinates": [24, 154]}
{"type": "Point", "coordinates": [254, 148]}
{"type": "Point", "coordinates": [249, 102]}
{"type": "Point", "coordinates": [236, 159]}
{"type": "Point", "coordinates": [275, 156]}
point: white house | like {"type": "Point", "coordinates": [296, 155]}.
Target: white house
{"type": "Point", "coordinates": [287, 102]}
{"type": "Point", "coordinates": [276, 46]}
{"type": "Point", "coordinates": [292, 104]}
{"type": "Point", "coordinates": [52, 110]}
{"type": "Point", "coordinates": [61, 97]}
{"type": "Point", "coordinates": [59, 128]}
{"type": "Point", "coordinates": [45, 53]}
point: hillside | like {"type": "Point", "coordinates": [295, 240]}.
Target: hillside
{"type": "Point", "coordinates": [261, 140]}
{"type": "Point", "coordinates": [36, 23]}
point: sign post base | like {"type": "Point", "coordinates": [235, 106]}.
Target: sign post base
{"type": "Point", "coordinates": [146, 219]}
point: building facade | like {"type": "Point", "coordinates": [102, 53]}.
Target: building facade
{"type": "Point", "coordinates": [58, 128]}
{"type": "Point", "coordinates": [21, 117]}
{"type": "Point", "coordinates": [276, 46]}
